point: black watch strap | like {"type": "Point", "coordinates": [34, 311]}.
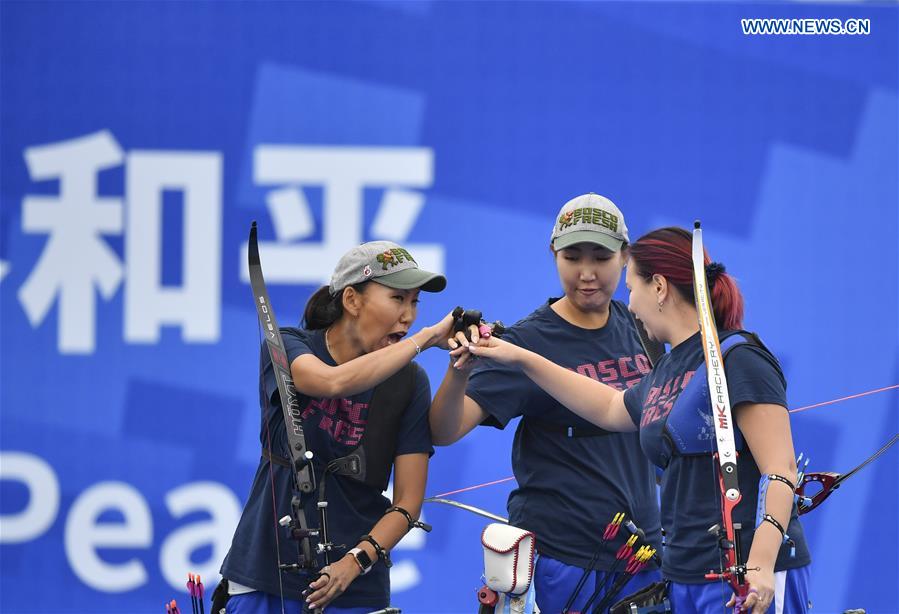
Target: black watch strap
{"type": "Point", "coordinates": [382, 554]}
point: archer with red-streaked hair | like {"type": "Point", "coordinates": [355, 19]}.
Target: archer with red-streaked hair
{"type": "Point", "coordinates": [671, 409]}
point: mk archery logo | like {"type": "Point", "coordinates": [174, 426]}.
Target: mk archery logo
{"type": "Point", "coordinates": [717, 373]}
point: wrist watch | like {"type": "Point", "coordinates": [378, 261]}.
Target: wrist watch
{"type": "Point", "coordinates": [362, 559]}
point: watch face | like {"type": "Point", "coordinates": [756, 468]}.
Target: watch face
{"type": "Point", "coordinates": [363, 558]}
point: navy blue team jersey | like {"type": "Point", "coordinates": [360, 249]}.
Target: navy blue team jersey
{"type": "Point", "coordinates": [569, 488]}
{"type": "Point", "coordinates": [672, 408]}
{"type": "Point", "coordinates": [333, 427]}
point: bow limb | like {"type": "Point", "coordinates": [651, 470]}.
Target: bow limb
{"type": "Point", "coordinates": [301, 470]}
{"type": "Point", "coordinates": [830, 481]}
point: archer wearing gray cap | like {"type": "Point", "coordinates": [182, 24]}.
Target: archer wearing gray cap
{"type": "Point", "coordinates": [386, 263]}
{"type": "Point", "coordinates": [565, 467]}
{"type": "Point", "coordinates": [589, 218]}
{"type": "Point", "coordinates": [364, 403]}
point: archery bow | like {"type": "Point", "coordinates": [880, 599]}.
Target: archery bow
{"type": "Point", "coordinates": [300, 456]}
{"type": "Point", "coordinates": [728, 538]}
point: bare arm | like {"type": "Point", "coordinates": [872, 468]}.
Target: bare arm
{"type": "Point", "coordinates": [767, 431]}
{"type": "Point", "coordinates": [409, 479]}
{"type": "Point", "coordinates": [766, 428]}
{"type": "Point", "coordinates": [591, 400]}
{"type": "Point", "coordinates": [313, 377]}
{"type": "Point", "coordinates": [453, 414]}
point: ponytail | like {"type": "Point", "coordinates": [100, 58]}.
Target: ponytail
{"type": "Point", "coordinates": [668, 252]}
{"type": "Point", "coordinates": [727, 301]}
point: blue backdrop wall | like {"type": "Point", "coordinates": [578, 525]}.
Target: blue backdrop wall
{"type": "Point", "coordinates": [140, 139]}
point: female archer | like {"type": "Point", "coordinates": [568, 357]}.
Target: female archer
{"type": "Point", "coordinates": [356, 336]}
{"type": "Point", "coordinates": [573, 477]}
{"type": "Point", "coordinates": [671, 409]}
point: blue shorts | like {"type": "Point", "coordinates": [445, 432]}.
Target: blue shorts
{"type": "Point", "coordinates": [258, 602]}
{"type": "Point", "coordinates": [790, 594]}
{"type": "Point", "coordinates": [554, 581]}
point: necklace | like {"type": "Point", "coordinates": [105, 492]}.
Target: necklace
{"type": "Point", "coordinates": [328, 345]}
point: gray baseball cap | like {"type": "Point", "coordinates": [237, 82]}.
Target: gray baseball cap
{"type": "Point", "coordinates": [589, 218]}
{"type": "Point", "coordinates": [386, 263]}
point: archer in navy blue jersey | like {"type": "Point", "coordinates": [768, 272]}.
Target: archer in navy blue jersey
{"type": "Point", "coordinates": [672, 410]}
{"type": "Point", "coordinates": [572, 477]}
{"type": "Point", "coordinates": [590, 477]}
{"type": "Point", "coordinates": [333, 428]}
{"type": "Point", "coordinates": [351, 369]}
{"type": "Point", "coordinates": [672, 407]}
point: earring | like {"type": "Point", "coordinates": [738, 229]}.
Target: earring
{"type": "Point", "coordinates": [660, 306]}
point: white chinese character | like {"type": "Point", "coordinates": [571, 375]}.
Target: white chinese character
{"type": "Point", "coordinates": [196, 304]}
{"type": "Point", "coordinates": [343, 172]}
{"type": "Point", "coordinates": [75, 258]}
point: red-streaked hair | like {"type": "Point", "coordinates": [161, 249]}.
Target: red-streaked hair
{"type": "Point", "coordinates": [668, 252]}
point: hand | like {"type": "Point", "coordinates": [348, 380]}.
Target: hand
{"type": "Point", "coordinates": [761, 591]}
{"type": "Point", "coordinates": [498, 350]}
{"type": "Point", "coordinates": [334, 580]}
{"type": "Point", "coordinates": [461, 359]}
{"type": "Point", "coordinates": [439, 334]}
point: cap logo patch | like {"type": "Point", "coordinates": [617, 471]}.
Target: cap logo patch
{"type": "Point", "coordinates": [588, 215]}
{"type": "Point", "coordinates": [393, 257]}
{"type": "Point", "coordinates": [366, 272]}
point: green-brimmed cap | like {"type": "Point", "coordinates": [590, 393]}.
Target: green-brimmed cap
{"type": "Point", "coordinates": [589, 218]}
{"type": "Point", "coordinates": [386, 263]}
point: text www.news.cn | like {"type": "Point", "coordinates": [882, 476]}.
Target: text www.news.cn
{"type": "Point", "coordinates": [799, 27]}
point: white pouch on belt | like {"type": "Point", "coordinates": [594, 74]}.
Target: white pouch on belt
{"type": "Point", "coordinates": [508, 558]}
